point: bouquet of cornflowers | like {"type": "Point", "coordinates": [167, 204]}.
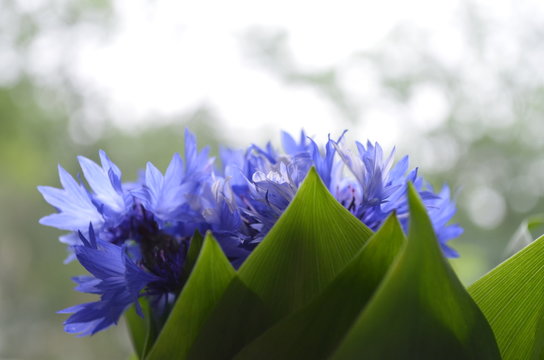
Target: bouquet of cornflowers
{"type": "Point", "coordinates": [312, 253]}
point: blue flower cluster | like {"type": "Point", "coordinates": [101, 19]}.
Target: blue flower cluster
{"type": "Point", "coordinates": [133, 237]}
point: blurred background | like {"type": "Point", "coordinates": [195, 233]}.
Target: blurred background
{"type": "Point", "coordinates": [458, 85]}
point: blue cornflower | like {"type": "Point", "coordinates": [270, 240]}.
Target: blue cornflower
{"type": "Point", "coordinates": [379, 189]}
{"type": "Point", "coordinates": [323, 162]}
{"type": "Point", "coordinates": [265, 181]}
{"type": "Point", "coordinates": [164, 196]}
{"type": "Point", "coordinates": [271, 191]}
{"type": "Point", "coordinates": [143, 231]}
{"type": "Point", "coordinates": [105, 181]}
{"type": "Point", "coordinates": [140, 232]}
{"type": "Point", "coordinates": [105, 207]}
{"type": "Point", "coordinates": [222, 216]}
{"type": "Point", "coordinates": [115, 277]}
{"type": "Point", "coordinates": [168, 197]}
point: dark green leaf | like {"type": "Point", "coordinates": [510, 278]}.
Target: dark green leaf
{"type": "Point", "coordinates": [239, 316]}
{"type": "Point", "coordinates": [209, 279]}
{"type": "Point", "coordinates": [192, 255]}
{"type": "Point", "coordinates": [512, 298]}
{"type": "Point", "coordinates": [421, 310]}
{"type": "Point", "coordinates": [309, 245]}
{"type": "Point", "coordinates": [144, 331]}
{"type": "Point", "coordinates": [137, 327]}
{"type": "Point", "coordinates": [315, 331]}
{"type": "Point", "coordinates": [154, 324]}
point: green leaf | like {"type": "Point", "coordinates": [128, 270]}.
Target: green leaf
{"type": "Point", "coordinates": [421, 310]}
{"type": "Point", "coordinates": [239, 316]}
{"type": "Point", "coordinates": [192, 255]}
{"type": "Point", "coordinates": [512, 298]}
{"type": "Point", "coordinates": [144, 330]}
{"type": "Point", "coordinates": [316, 330]}
{"type": "Point", "coordinates": [137, 327]}
{"type": "Point", "coordinates": [209, 279]}
{"type": "Point", "coordinates": [308, 246]}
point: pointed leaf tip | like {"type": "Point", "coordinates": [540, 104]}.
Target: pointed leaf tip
{"type": "Point", "coordinates": [310, 243]}
{"type": "Point", "coordinates": [307, 247]}
{"type": "Point", "coordinates": [421, 310]}
{"type": "Point", "coordinates": [316, 329]}
{"type": "Point", "coordinates": [211, 275]}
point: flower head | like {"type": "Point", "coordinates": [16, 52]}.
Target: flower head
{"type": "Point", "coordinates": [115, 277]}
{"type": "Point", "coordinates": [380, 188]}
{"type": "Point", "coordinates": [139, 233]}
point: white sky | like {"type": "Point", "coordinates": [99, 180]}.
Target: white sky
{"type": "Point", "coordinates": [165, 58]}
{"type": "Point", "coordinates": [169, 57]}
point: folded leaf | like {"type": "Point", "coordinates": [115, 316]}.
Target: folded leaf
{"type": "Point", "coordinates": [239, 316]}
{"type": "Point", "coordinates": [308, 246]}
{"type": "Point", "coordinates": [210, 277]}
{"type": "Point", "coordinates": [316, 330]}
{"type": "Point", "coordinates": [138, 327]}
{"type": "Point", "coordinates": [512, 298]}
{"type": "Point", "coordinates": [421, 310]}
{"type": "Point", "coordinates": [192, 255]}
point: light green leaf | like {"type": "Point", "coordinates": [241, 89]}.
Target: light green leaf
{"type": "Point", "coordinates": [512, 298]}
{"type": "Point", "coordinates": [316, 330]}
{"type": "Point", "coordinates": [308, 246]}
{"type": "Point", "coordinates": [421, 310]}
{"type": "Point", "coordinates": [209, 279]}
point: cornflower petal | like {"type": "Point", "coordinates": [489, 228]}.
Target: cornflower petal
{"type": "Point", "coordinates": [115, 277]}
{"type": "Point", "coordinates": [74, 204]}
{"type": "Point", "coordinates": [102, 184]}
